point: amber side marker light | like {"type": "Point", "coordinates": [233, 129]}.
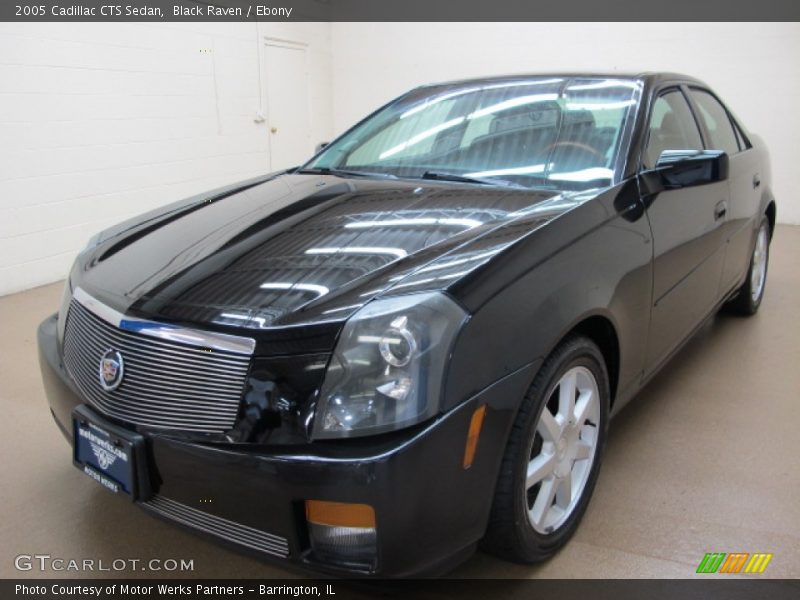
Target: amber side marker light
{"type": "Point", "coordinates": [474, 433]}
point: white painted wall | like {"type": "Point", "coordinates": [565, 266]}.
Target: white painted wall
{"type": "Point", "coordinates": [99, 122]}
{"type": "Point", "coordinates": [753, 66]}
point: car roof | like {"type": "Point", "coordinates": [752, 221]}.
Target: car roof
{"type": "Point", "coordinates": [650, 78]}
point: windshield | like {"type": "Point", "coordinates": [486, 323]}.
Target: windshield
{"type": "Point", "coordinates": [542, 132]}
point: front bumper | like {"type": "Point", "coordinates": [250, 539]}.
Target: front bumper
{"type": "Point", "coordinates": [430, 512]}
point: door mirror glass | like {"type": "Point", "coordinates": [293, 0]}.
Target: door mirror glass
{"type": "Point", "coordinates": [686, 168]}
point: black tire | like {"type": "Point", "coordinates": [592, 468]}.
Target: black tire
{"type": "Point", "coordinates": [510, 534]}
{"type": "Point", "coordinates": [744, 303]}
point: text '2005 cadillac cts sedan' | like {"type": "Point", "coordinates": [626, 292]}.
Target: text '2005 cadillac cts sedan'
{"type": "Point", "coordinates": [414, 342]}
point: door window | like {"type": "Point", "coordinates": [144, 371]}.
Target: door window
{"type": "Point", "coordinates": [672, 127]}
{"type": "Point", "coordinates": [717, 122]}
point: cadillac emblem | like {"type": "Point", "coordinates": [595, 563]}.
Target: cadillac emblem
{"type": "Point", "coordinates": [111, 370]}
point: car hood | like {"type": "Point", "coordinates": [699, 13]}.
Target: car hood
{"type": "Point", "coordinates": [302, 248]}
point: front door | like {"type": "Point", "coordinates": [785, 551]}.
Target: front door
{"type": "Point", "coordinates": [688, 237]}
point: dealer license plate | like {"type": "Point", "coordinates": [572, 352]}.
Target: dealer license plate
{"type": "Point", "coordinates": [106, 453]}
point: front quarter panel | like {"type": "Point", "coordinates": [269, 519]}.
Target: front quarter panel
{"type": "Point", "coordinates": [594, 260]}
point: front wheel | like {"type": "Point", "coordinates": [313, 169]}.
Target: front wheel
{"type": "Point", "coordinates": [747, 301]}
{"type": "Point", "coordinates": [552, 458]}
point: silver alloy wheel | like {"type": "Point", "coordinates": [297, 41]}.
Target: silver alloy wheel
{"type": "Point", "coordinates": [563, 450]}
{"type": "Point", "coordinates": [758, 274]}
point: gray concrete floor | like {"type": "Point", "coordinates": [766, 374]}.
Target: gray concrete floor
{"type": "Point", "coordinates": [705, 459]}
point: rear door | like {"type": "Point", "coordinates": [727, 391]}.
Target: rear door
{"type": "Point", "coordinates": [688, 234]}
{"type": "Point", "coordinates": [744, 181]}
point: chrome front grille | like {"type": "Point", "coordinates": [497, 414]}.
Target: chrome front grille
{"type": "Point", "coordinates": [219, 527]}
{"type": "Point", "coordinates": [165, 384]}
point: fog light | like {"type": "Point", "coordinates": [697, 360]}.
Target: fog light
{"type": "Point", "coordinates": [342, 533]}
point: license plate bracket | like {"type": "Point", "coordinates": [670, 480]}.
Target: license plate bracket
{"type": "Point", "coordinates": [112, 456]}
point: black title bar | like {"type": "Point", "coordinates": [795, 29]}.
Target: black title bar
{"type": "Point", "coordinates": [432, 589]}
{"type": "Point", "coordinates": [399, 10]}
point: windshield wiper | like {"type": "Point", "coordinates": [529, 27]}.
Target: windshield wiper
{"type": "Point", "coordinates": [442, 176]}
{"type": "Point", "coordinates": [433, 175]}
{"type": "Point", "coordinates": [343, 173]}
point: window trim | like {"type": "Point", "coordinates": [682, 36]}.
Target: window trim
{"type": "Point", "coordinates": [738, 133]}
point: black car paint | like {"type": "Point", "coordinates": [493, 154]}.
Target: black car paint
{"type": "Point", "coordinates": [638, 270]}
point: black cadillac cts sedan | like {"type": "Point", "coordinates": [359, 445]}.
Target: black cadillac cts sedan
{"type": "Point", "coordinates": [413, 343]}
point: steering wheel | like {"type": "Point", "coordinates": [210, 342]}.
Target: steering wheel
{"type": "Point", "coordinates": [578, 146]}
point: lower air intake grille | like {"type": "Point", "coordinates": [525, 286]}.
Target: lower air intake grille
{"type": "Point", "coordinates": [219, 527]}
{"type": "Point", "coordinates": [165, 384]}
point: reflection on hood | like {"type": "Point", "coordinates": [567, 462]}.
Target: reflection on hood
{"type": "Point", "coordinates": [303, 248]}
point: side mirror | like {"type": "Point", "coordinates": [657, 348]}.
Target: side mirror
{"type": "Point", "coordinates": [320, 147]}
{"type": "Point", "coordinates": [687, 168]}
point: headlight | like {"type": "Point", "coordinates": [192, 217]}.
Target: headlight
{"type": "Point", "coordinates": [388, 366]}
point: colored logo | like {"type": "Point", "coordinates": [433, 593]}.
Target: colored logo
{"type": "Point", "coordinates": [111, 370]}
{"type": "Point", "coordinates": [735, 562]}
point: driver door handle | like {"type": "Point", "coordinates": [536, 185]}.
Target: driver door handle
{"type": "Point", "coordinates": [720, 210]}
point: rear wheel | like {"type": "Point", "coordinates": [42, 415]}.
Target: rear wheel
{"type": "Point", "coordinates": [747, 301]}
{"type": "Point", "coordinates": [553, 455]}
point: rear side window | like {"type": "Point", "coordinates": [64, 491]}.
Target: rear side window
{"type": "Point", "coordinates": [672, 127]}
{"type": "Point", "coordinates": [717, 122]}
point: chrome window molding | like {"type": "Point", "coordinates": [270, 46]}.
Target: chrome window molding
{"type": "Point", "coordinates": [171, 333]}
